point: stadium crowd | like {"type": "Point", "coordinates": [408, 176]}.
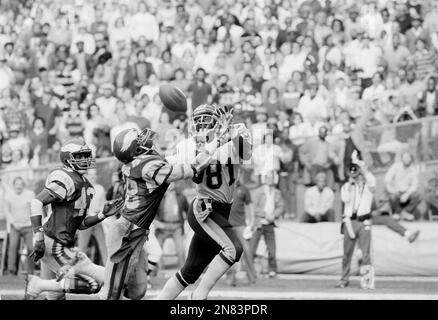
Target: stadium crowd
{"type": "Point", "coordinates": [307, 77]}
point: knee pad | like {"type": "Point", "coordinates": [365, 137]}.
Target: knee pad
{"type": "Point", "coordinates": [232, 254]}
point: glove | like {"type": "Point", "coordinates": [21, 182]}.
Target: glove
{"type": "Point", "coordinates": [225, 117]}
{"type": "Point", "coordinates": [112, 207]}
{"type": "Point", "coordinates": [39, 246]}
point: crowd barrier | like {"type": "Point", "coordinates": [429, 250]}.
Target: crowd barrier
{"type": "Point", "coordinates": [305, 248]}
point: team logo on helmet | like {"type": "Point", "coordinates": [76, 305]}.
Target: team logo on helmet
{"type": "Point", "coordinates": [131, 143]}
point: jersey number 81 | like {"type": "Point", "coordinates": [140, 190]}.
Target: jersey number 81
{"type": "Point", "coordinates": [214, 175]}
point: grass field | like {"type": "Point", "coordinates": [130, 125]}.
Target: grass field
{"type": "Point", "coordinates": [282, 287]}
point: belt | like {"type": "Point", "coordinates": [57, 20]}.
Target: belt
{"type": "Point", "coordinates": [361, 218]}
{"type": "Point", "coordinates": [216, 205]}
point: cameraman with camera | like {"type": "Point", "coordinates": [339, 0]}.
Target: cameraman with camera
{"type": "Point", "coordinates": [357, 195]}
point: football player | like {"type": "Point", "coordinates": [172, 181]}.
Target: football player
{"type": "Point", "coordinates": [147, 176]}
{"type": "Point", "coordinates": [214, 243]}
{"type": "Point", "coordinates": [66, 195]}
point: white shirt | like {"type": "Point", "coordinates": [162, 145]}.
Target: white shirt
{"type": "Point", "coordinates": [401, 179]}
{"type": "Point", "coordinates": [358, 197]}
{"type": "Point", "coordinates": [144, 24]}
{"type": "Point", "coordinates": [318, 202]}
{"type": "Point", "coordinates": [18, 208]}
{"type": "Point", "coordinates": [107, 106]}
{"type": "Point", "coordinates": [368, 59]}
{"type": "Point", "coordinates": [315, 108]}
{"type": "Point", "coordinates": [299, 133]}
{"type": "Point", "coordinates": [373, 92]}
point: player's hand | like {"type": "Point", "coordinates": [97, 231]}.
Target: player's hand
{"type": "Point", "coordinates": [225, 118]}
{"type": "Point", "coordinates": [112, 207]}
{"type": "Point", "coordinates": [39, 246]}
{"type": "Point", "coordinates": [201, 162]}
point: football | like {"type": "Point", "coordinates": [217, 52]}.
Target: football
{"type": "Point", "coordinates": [173, 98]}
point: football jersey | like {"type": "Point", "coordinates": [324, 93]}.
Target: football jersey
{"type": "Point", "coordinates": [73, 193]}
{"type": "Point", "coordinates": [146, 183]}
{"type": "Point", "coordinates": [217, 181]}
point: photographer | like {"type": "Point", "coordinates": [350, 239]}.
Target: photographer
{"type": "Point", "coordinates": [357, 195]}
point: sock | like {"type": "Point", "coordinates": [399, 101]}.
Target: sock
{"type": "Point", "coordinates": [215, 271]}
{"type": "Point", "coordinates": [171, 290]}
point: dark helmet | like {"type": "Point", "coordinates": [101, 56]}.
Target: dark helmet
{"type": "Point", "coordinates": [131, 143]}
{"type": "Point", "coordinates": [76, 155]}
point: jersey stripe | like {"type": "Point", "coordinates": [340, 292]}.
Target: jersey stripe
{"type": "Point", "coordinates": [156, 172]}
{"type": "Point", "coordinates": [58, 189]}
{"type": "Point", "coordinates": [168, 175]}
{"type": "Point", "coordinates": [62, 177]}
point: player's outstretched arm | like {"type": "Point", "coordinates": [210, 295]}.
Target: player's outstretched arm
{"type": "Point", "coordinates": [110, 208]}
{"type": "Point", "coordinates": [161, 171]}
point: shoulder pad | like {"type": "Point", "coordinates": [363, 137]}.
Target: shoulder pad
{"type": "Point", "coordinates": [60, 183]}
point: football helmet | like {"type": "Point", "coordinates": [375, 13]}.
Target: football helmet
{"type": "Point", "coordinates": [208, 119]}
{"type": "Point", "coordinates": [76, 155]}
{"type": "Point", "coordinates": [203, 121]}
{"type": "Point", "coordinates": [131, 143]}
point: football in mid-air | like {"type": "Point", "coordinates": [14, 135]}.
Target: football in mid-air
{"type": "Point", "coordinates": [173, 98]}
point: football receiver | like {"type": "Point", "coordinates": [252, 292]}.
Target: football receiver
{"type": "Point", "coordinates": [214, 243]}
{"type": "Point", "coordinates": [66, 195]}
{"type": "Point", "coordinates": [147, 176]}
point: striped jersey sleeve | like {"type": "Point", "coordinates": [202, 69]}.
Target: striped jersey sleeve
{"type": "Point", "coordinates": [60, 185]}
{"type": "Point", "coordinates": [160, 172]}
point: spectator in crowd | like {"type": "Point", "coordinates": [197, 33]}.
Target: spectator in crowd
{"type": "Point", "coordinates": [402, 185]}
{"type": "Point", "coordinates": [269, 206]}
{"type": "Point", "coordinates": [357, 196]}
{"type": "Point", "coordinates": [242, 219]}
{"type": "Point", "coordinates": [17, 211]}
{"type": "Point", "coordinates": [428, 99]}
{"type": "Point", "coordinates": [201, 91]}
{"type": "Point", "coordinates": [170, 221]}
{"type": "Point", "coordinates": [318, 155]}
{"type": "Point", "coordinates": [319, 201]}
